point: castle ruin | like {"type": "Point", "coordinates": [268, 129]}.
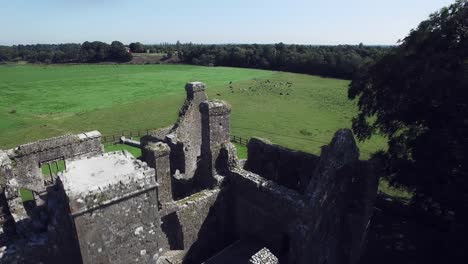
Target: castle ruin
{"type": "Point", "coordinates": [188, 200]}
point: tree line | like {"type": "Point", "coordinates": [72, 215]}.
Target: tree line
{"type": "Point", "coordinates": [88, 52]}
{"type": "Point", "coordinates": [342, 61]}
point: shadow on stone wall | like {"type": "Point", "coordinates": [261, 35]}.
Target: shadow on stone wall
{"type": "Point", "coordinates": [182, 188]}
{"type": "Point", "coordinates": [216, 232]}
{"type": "Point", "coordinates": [290, 168]}
{"type": "Point", "coordinates": [173, 230]}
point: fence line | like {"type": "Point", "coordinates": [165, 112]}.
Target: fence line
{"type": "Point", "coordinates": [239, 140]}
{"type": "Point", "coordinates": [139, 133]}
{"type": "Point", "coordinates": [322, 143]}
{"type": "Point", "coordinates": [126, 133]}
{"type": "Point", "coordinates": [235, 139]}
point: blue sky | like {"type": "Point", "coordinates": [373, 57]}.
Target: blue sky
{"type": "Point", "coordinates": [212, 21]}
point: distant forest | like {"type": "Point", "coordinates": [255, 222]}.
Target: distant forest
{"type": "Point", "coordinates": [342, 61]}
{"type": "Point", "coordinates": [88, 52]}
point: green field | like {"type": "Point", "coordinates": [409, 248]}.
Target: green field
{"type": "Point", "coordinates": [295, 110]}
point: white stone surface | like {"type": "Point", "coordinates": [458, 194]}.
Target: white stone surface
{"type": "Point", "coordinates": [90, 134]}
{"type": "Point", "coordinates": [93, 134]}
{"type": "Point", "coordinates": [90, 174]}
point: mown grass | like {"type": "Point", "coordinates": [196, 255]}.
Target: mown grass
{"type": "Point", "coordinates": [241, 151]}
{"type": "Point", "coordinates": [298, 111]}
{"type": "Point", "coordinates": [26, 195]}
{"type": "Point", "coordinates": [295, 110]}
{"type": "Point", "coordinates": [46, 171]}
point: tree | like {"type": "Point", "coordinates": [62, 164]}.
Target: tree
{"type": "Point", "coordinates": [6, 53]}
{"type": "Point", "coordinates": [137, 47]}
{"type": "Point", "coordinates": [118, 52]}
{"type": "Point", "coordinates": [417, 96]}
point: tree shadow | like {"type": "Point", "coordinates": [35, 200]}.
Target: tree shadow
{"type": "Point", "coordinates": [397, 235]}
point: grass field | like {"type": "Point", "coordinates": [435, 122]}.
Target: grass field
{"type": "Point", "coordinates": [295, 110]}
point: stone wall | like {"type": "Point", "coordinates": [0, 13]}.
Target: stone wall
{"type": "Point", "coordinates": [215, 123]}
{"type": "Point", "coordinates": [202, 223]}
{"type": "Point", "coordinates": [195, 141]}
{"type": "Point", "coordinates": [185, 137]}
{"type": "Point", "coordinates": [157, 157]}
{"type": "Point", "coordinates": [7, 224]}
{"type": "Point", "coordinates": [325, 224]}
{"type": "Point", "coordinates": [125, 232]}
{"type": "Point", "coordinates": [290, 168]}
{"type": "Point", "coordinates": [270, 213]}
{"type": "Point", "coordinates": [116, 220]}
{"type": "Point", "coordinates": [28, 158]}
{"type": "Point", "coordinates": [341, 194]}
{"type": "Point", "coordinates": [20, 168]}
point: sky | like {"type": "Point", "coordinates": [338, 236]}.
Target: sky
{"type": "Point", "coordinates": [316, 22]}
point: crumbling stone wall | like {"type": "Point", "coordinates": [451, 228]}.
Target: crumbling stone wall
{"type": "Point", "coordinates": [202, 220]}
{"type": "Point", "coordinates": [195, 140]}
{"type": "Point", "coordinates": [327, 223]}
{"type": "Point", "coordinates": [28, 157]}
{"type": "Point", "coordinates": [125, 232]}
{"type": "Point", "coordinates": [157, 157]}
{"type": "Point", "coordinates": [7, 224]}
{"type": "Point", "coordinates": [268, 212]}
{"type": "Point", "coordinates": [20, 169]}
{"type": "Point", "coordinates": [341, 193]}
{"type": "Point", "coordinates": [118, 222]}
{"type": "Point", "coordinates": [290, 168]}
{"type": "Point", "coordinates": [215, 132]}
{"type": "Point", "coordinates": [185, 137]}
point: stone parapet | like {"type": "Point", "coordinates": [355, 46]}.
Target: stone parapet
{"type": "Point", "coordinates": [215, 108]}
{"type": "Point", "coordinates": [158, 155]}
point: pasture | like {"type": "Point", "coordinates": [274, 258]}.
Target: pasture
{"type": "Point", "coordinates": [295, 110]}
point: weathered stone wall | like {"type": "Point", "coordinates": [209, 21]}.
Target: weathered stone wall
{"type": "Point", "coordinates": [270, 213]}
{"type": "Point", "coordinates": [124, 232]}
{"type": "Point", "coordinates": [7, 226]}
{"type": "Point", "coordinates": [326, 224]}
{"type": "Point", "coordinates": [290, 168]}
{"type": "Point", "coordinates": [201, 223]}
{"type": "Point", "coordinates": [153, 137]}
{"type": "Point", "coordinates": [215, 132]}
{"type": "Point", "coordinates": [28, 157]}
{"type": "Point", "coordinates": [185, 137]}
{"type": "Point", "coordinates": [157, 157]}
{"type": "Point", "coordinates": [120, 222]}
{"type": "Point", "coordinates": [341, 195]}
